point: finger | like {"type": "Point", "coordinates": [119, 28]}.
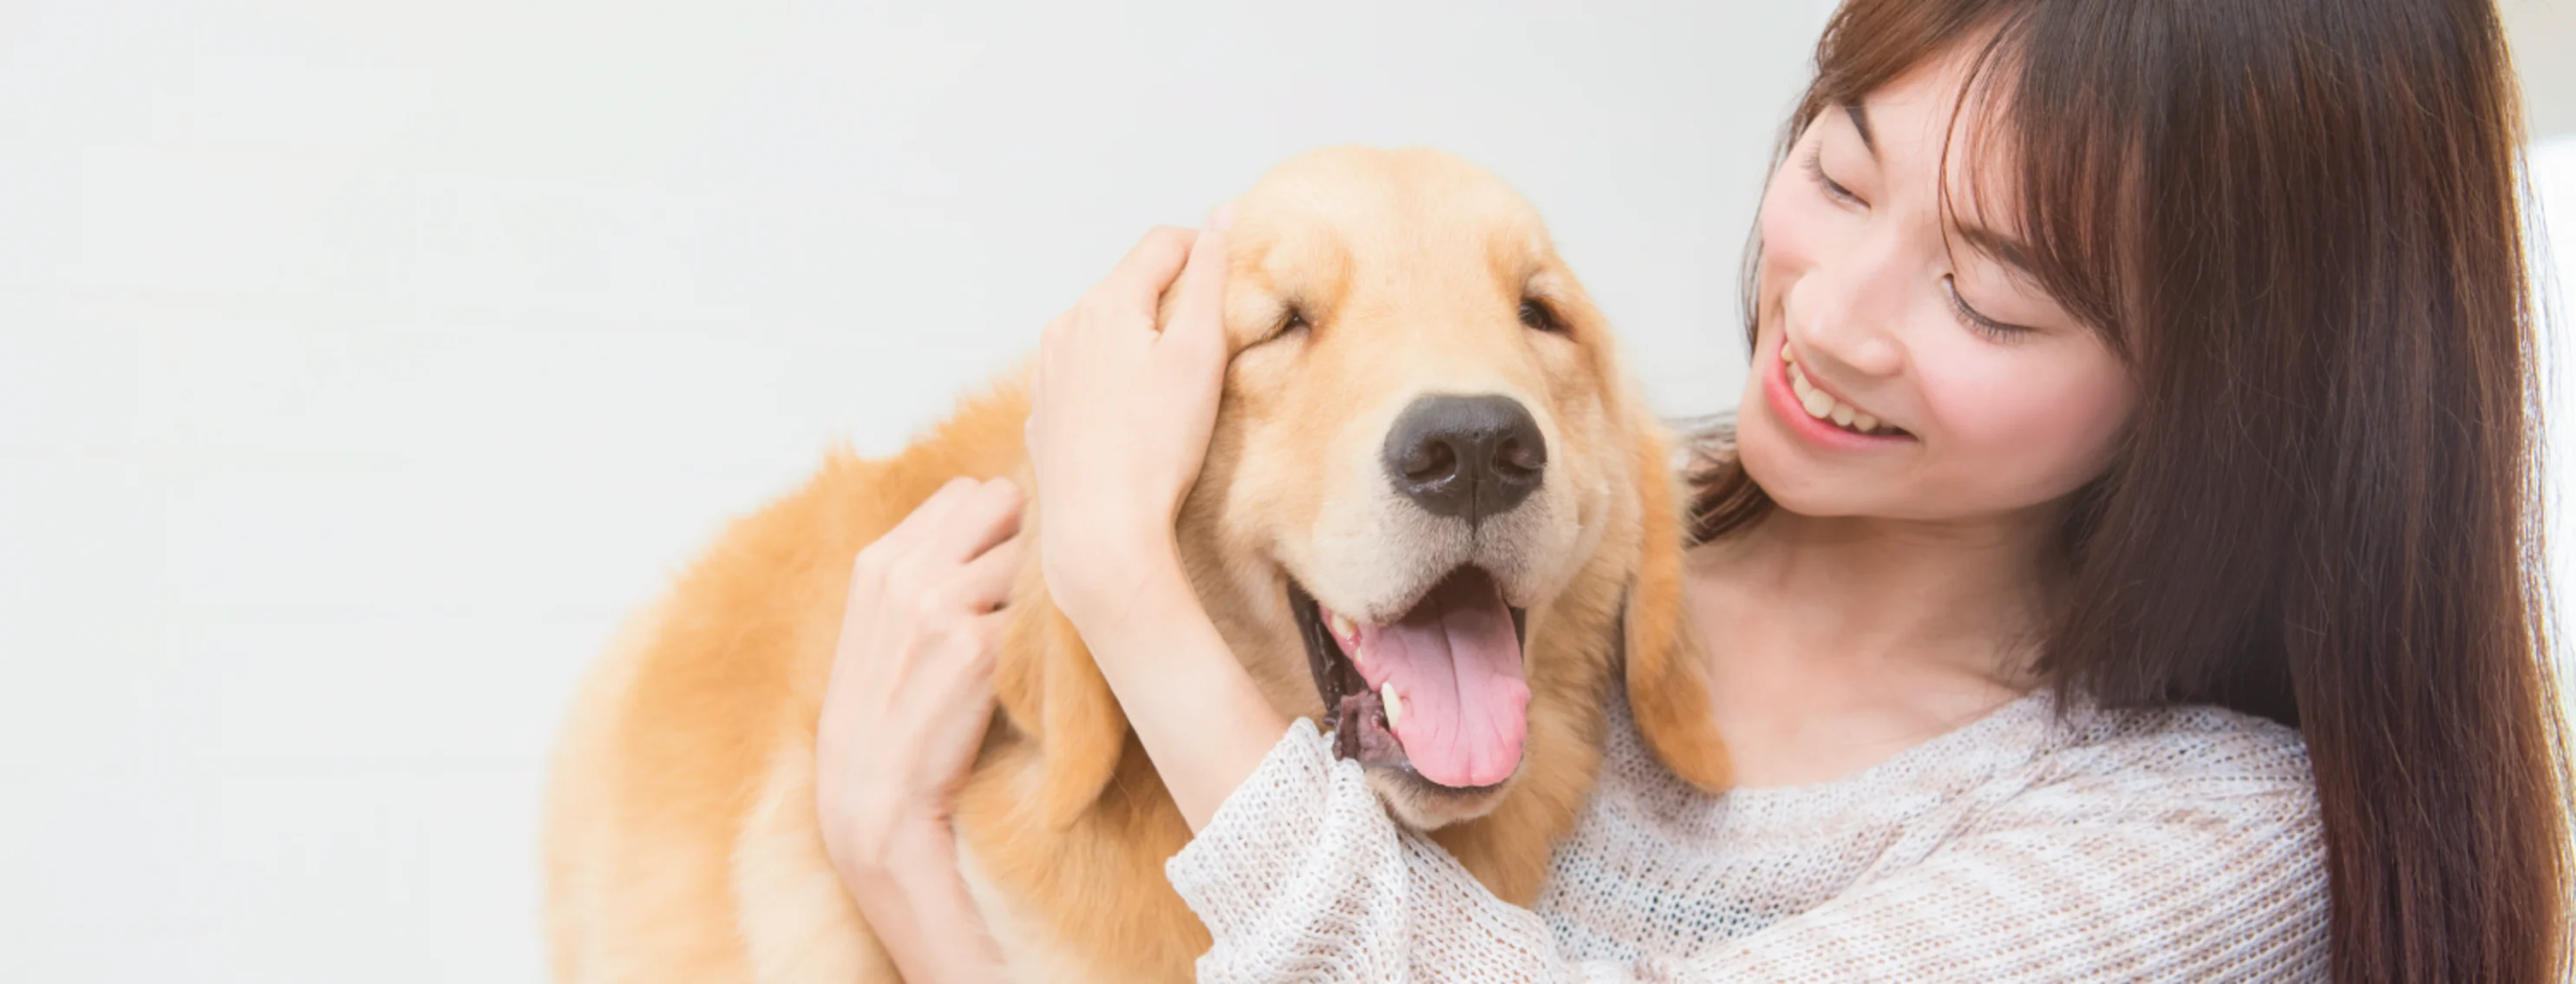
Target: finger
{"type": "Point", "coordinates": [991, 629]}
{"type": "Point", "coordinates": [1138, 281]}
{"type": "Point", "coordinates": [1198, 302]}
{"type": "Point", "coordinates": [957, 692]}
{"type": "Point", "coordinates": [954, 667]}
{"type": "Point", "coordinates": [916, 548]}
{"type": "Point", "coordinates": [930, 515]}
{"type": "Point", "coordinates": [984, 516]}
{"type": "Point", "coordinates": [985, 582]}
{"type": "Point", "coordinates": [879, 561]}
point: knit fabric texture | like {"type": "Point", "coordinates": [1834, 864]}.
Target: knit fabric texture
{"type": "Point", "coordinates": [2172, 845]}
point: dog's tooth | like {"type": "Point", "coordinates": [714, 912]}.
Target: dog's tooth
{"type": "Point", "coordinates": [1394, 704]}
{"type": "Point", "coordinates": [1359, 655]}
{"type": "Point", "coordinates": [1342, 626]}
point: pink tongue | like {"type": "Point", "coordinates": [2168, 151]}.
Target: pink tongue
{"type": "Point", "coordinates": [1457, 663]}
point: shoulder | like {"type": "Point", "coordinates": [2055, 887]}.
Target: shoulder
{"type": "Point", "coordinates": [2191, 764]}
{"type": "Point", "coordinates": [2203, 817]}
{"type": "Point", "coordinates": [2194, 742]}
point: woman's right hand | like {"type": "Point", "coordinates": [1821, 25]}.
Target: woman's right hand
{"type": "Point", "coordinates": [910, 694]}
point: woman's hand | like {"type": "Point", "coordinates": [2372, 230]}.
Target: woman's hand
{"type": "Point", "coordinates": [910, 693]}
{"type": "Point", "coordinates": [1119, 423]}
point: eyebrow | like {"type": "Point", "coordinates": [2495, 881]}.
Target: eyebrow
{"type": "Point", "coordinates": [1860, 122]}
{"type": "Point", "coordinates": [2005, 249]}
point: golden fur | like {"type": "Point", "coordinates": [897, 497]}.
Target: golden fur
{"type": "Point", "coordinates": [681, 842]}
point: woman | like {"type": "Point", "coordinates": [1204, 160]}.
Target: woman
{"type": "Point", "coordinates": [2183, 627]}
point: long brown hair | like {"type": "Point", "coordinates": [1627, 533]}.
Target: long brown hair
{"type": "Point", "coordinates": [2297, 222]}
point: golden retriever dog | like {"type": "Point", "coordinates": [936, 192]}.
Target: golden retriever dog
{"type": "Point", "coordinates": [1430, 481]}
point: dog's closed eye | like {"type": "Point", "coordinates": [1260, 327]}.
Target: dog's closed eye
{"type": "Point", "coordinates": [1291, 319]}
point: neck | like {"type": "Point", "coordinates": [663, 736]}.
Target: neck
{"type": "Point", "coordinates": [1963, 596]}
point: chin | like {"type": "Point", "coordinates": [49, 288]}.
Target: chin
{"type": "Point", "coordinates": [1800, 485]}
{"type": "Point", "coordinates": [1773, 461]}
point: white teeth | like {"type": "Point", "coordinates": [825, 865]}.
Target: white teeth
{"type": "Point", "coordinates": [1822, 405]}
{"type": "Point", "coordinates": [1348, 631]}
{"type": "Point", "coordinates": [1394, 704]}
{"type": "Point", "coordinates": [1786, 357]}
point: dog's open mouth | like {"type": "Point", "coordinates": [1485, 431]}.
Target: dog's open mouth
{"type": "Point", "coordinates": [1440, 692]}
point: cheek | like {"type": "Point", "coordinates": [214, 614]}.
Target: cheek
{"type": "Point", "coordinates": [1580, 434]}
{"type": "Point", "coordinates": [1788, 253]}
{"type": "Point", "coordinates": [2040, 419]}
{"type": "Point", "coordinates": [1262, 399]}
{"type": "Point", "coordinates": [1790, 235]}
{"type": "Point", "coordinates": [1309, 426]}
{"type": "Point", "coordinates": [1802, 235]}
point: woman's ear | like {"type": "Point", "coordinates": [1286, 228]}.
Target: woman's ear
{"type": "Point", "coordinates": [1667, 683]}
{"type": "Point", "coordinates": [1046, 683]}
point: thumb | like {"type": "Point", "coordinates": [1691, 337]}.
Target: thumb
{"type": "Point", "coordinates": [1198, 304]}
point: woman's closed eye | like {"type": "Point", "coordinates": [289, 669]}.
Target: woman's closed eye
{"type": "Point", "coordinates": [1979, 323]}
{"type": "Point", "coordinates": [1814, 165]}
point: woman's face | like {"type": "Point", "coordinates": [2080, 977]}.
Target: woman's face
{"type": "Point", "coordinates": [1988, 398]}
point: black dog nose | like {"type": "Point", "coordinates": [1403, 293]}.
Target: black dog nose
{"type": "Point", "coordinates": [1471, 456]}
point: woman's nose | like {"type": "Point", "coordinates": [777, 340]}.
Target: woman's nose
{"type": "Point", "coordinates": [1852, 311]}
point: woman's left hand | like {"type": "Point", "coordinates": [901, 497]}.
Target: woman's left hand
{"type": "Point", "coordinates": [1119, 425]}
{"type": "Point", "coordinates": [1120, 415]}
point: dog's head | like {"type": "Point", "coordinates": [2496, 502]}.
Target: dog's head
{"type": "Point", "coordinates": [1432, 498]}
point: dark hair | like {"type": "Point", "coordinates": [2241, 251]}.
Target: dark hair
{"type": "Point", "coordinates": [2297, 223]}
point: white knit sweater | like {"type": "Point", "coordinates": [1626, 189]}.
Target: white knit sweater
{"type": "Point", "coordinates": [2178, 845]}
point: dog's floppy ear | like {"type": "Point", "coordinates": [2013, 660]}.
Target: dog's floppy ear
{"type": "Point", "coordinates": [1047, 684]}
{"type": "Point", "coordinates": [1667, 683]}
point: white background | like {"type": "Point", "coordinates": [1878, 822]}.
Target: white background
{"type": "Point", "coordinates": [361, 362]}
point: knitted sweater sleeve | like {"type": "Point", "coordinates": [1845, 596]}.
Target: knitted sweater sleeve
{"type": "Point", "coordinates": [1301, 876]}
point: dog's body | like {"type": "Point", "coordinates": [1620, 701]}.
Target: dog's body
{"type": "Point", "coordinates": [1368, 297]}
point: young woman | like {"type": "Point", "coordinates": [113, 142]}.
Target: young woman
{"type": "Point", "coordinates": [2185, 627]}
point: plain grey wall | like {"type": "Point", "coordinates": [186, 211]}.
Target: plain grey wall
{"type": "Point", "coordinates": [362, 361]}
{"type": "Point", "coordinates": [2543, 35]}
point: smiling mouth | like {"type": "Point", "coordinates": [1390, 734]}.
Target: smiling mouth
{"type": "Point", "coordinates": [1438, 696]}
{"type": "Point", "coordinates": [1827, 408]}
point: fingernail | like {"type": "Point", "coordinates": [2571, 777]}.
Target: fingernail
{"type": "Point", "coordinates": [1222, 219]}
